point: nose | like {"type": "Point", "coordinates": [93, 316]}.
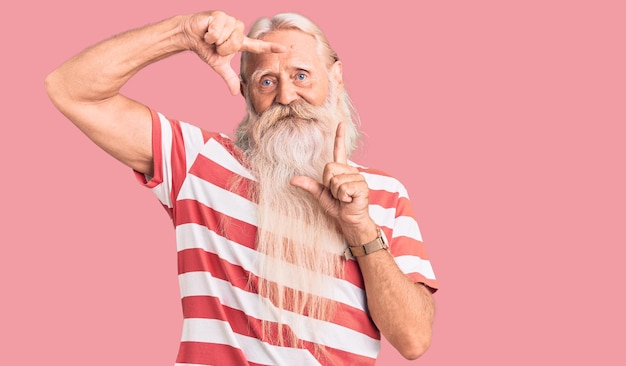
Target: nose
{"type": "Point", "coordinates": [286, 94]}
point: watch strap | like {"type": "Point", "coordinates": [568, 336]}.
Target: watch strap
{"type": "Point", "coordinates": [367, 248]}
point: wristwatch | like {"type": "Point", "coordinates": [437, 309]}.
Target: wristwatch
{"type": "Point", "coordinates": [373, 246]}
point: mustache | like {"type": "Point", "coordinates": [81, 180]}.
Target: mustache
{"type": "Point", "coordinates": [295, 121]}
{"type": "Point", "coordinates": [298, 111]}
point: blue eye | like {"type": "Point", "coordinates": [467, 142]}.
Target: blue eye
{"type": "Point", "coordinates": [301, 76]}
{"type": "Point", "coordinates": [266, 82]}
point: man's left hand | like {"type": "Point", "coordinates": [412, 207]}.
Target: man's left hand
{"type": "Point", "coordinates": [343, 192]}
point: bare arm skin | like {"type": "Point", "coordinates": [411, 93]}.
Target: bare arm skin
{"type": "Point", "coordinates": [86, 88]}
{"type": "Point", "coordinates": [402, 310]}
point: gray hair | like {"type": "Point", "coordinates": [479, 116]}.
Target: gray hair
{"type": "Point", "coordinates": [287, 21]}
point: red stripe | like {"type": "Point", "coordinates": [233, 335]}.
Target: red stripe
{"type": "Point", "coordinates": [157, 158]}
{"type": "Point", "coordinates": [179, 161]}
{"type": "Point", "coordinates": [207, 135]}
{"type": "Point", "coordinates": [210, 308]}
{"type": "Point", "coordinates": [407, 246]}
{"type": "Point", "coordinates": [211, 354]}
{"type": "Point", "coordinates": [404, 208]}
{"type": "Point", "coordinates": [419, 278]}
{"type": "Point", "coordinates": [383, 198]}
{"type": "Point", "coordinates": [197, 260]}
{"type": "Point", "coordinates": [352, 274]}
{"type": "Point", "coordinates": [190, 211]}
{"type": "Point", "coordinates": [212, 172]}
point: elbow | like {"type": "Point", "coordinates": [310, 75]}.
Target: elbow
{"type": "Point", "coordinates": [51, 84]}
{"type": "Point", "coordinates": [412, 342]}
{"type": "Point", "coordinates": [416, 347]}
{"type": "Point", "coordinates": [57, 89]}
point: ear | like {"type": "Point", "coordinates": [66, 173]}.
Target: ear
{"type": "Point", "coordinates": [336, 72]}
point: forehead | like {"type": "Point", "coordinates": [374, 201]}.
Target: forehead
{"type": "Point", "coordinates": [302, 52]}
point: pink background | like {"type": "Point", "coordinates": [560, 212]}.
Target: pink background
{"type": "Point", "coordinates": [505, 121]}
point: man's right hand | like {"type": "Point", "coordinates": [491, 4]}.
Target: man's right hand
{"type": "Point", "coordinates": [216, 37]}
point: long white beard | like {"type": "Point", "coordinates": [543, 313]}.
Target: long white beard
{"type": "Point", "coordinates": [301, 244]}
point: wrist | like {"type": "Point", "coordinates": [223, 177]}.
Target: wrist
{"type": "Point", "coordinates": [379, 243]}
{"type": "Point", "coordinates": [176, 34]}
{"type": "Point", "coordinates": [360, 234]}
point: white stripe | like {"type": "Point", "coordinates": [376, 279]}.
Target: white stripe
{"type": "Point", "coordinates": [406, 226]}
{"type": "Point", "coordinates": [198, 236]}
{"type": "Point", "coordinates": [308, 329]}
{"type": "Point", "coordinates": [194, 142]}
{"type": "Point", "coordinates": [216, 152]}
{"type": "Point", "coordinates": [383, 216]}
{"type": "Point", "coordinates": [162, 191]}
{"type": "Point", "coordinates": [213, 331]}
{"type": "Point", "coordinates": [401, 225]}
{"type": "Point", "coordinates": [384, 183]}
{"type": "Point", "coordinates": [414, 264]}
{"type": "Point", "coordinates": [217, 198]}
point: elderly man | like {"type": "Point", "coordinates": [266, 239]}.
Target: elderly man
{"type": "Point", "coordinates": [289, 253]}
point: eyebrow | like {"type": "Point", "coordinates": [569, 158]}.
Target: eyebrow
{"type": "Point", "coordinates": [258, 73]}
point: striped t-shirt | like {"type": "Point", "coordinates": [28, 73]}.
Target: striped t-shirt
{"type": "Point", "coordinates": [222, 317]}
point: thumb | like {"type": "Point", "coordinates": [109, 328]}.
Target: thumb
{"type": "Point", "coordinates": [319, 192]}
{"type": "Point", "coordinates": [230, 77]}
{"type": "Point", "coordinates": [308, 184]}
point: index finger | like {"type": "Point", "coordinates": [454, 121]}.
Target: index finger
{"type": "Point", "coordinates": [259, 46]}
{"type": "Point", "coordinates": [339, 152]}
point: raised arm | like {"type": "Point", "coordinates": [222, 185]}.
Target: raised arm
{"type": "Point", "coordinates": [403, 311]}
{"type": "Point", "coordinates": [86, 88]}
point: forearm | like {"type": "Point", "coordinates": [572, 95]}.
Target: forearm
{"type": "Point", "coordinates": [400, 308]}
{"type": "Point", "coordinates": [99, 72]}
